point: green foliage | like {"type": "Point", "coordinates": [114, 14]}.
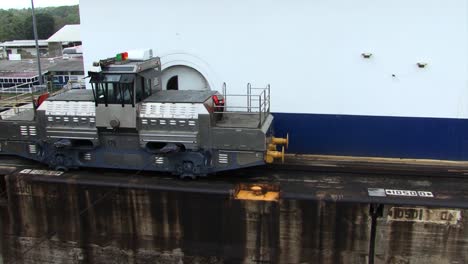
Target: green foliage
{"type": "Point", "coordinates": [45, 26]}
{"type": "Point", "coordinates": [63, 15]}
{"type": "Point", "coordinates": [11, 25]}
{"type": "Point", "coordinates": [17, 23]}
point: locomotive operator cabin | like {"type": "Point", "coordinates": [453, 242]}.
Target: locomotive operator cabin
{"type": "Point", "coordinates": [357, 78]}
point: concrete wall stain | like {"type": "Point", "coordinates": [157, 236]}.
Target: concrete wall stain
{"type": "Point", "coordinates": [76, 223]}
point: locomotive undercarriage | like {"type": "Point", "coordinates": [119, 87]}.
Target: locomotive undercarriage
{"type": "Point", "coordinates": [123, 152]}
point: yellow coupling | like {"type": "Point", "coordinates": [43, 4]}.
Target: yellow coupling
{"type": "Point", "coordinates": [271, 155]}
{"type": "Point", "coordinates": [281, 141]}
{"type": "Point", "coordinates": [271, 146]}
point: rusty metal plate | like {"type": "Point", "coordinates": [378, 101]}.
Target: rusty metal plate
{"type": "Point", "coordinates": [424, 215]}
{"type": "Point", "coordinates": [257, 192]}
{"type": "Point", "coordinates": [380, 192]}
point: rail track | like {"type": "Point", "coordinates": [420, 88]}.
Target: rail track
{"type": "Point", "coordinates": [384, 186]}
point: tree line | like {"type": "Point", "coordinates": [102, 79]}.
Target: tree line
{"type": "Point", "coordinates": [16, 24]}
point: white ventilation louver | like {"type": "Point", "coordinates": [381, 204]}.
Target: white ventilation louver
{"type": "Point", "coordinates": [159, 160]}
{"type": "Point", "coordinates": [87, 156]}
{"type": "Point", "coordinates": [68, 108]}
{"type": "Point", "coordinates": [223, 158]}
{"type": "Point", "coordinates": [32, 130]}
{"type": "Point", "coordinates": [32, 149]}
{"type": "Point", "coordinates": [28, 130]}
{"type": "Point", "coordinates": [172, 110]}
{"type": "Point", "coordinates": [24, 130]}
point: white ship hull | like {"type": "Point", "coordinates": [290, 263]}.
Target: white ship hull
{"type": "Point", "coordinates": [325, 92]}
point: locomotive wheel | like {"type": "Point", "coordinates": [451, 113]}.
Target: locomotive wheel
{"type": "Point", "coordinates": [188, 177]}
{"type": "Point", "coordinates": [61, 168]}
{"type": "Point", "coordinates": [187, 171]}
{"type": "Point", "coordinates": [59, 163]}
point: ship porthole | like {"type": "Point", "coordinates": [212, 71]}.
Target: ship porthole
{"type": "Point", "coordinates": [173, 83]}
{"type": "Point", "coordinates": [182, 77]}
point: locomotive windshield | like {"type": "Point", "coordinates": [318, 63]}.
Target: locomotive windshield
{"type": "Point", "coordinates": [113, 89]}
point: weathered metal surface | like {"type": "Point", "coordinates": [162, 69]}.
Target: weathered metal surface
{"type": "Point", "coordinates": [422, 241]}
{"type": "Point", "coordinates": [424, 215]}
{"type": "Point", "coordinates": [114, 217]}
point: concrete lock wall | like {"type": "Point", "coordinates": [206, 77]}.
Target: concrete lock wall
{"type": "Point", "coordinates": [79, 223]}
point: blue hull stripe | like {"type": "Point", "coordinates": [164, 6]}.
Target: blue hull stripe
{"type": "Point", "coordinates": [375, 136]}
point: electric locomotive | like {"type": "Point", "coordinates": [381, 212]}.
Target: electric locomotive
{"type": "Point", "coordinates": [126, 121]}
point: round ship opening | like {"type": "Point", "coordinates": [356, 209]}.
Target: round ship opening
{"type": "Point", "coordinates": [181, 77]}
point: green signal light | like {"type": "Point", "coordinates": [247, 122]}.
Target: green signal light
{"type": "Point", "coordinates": [118, 57]}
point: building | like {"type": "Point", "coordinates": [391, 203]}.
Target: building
{"type": "Point", "coordinates": [25, 48]}
{"type": "Point", "coordinates": [359, 78]}
{"type": "Point", "coordinates": [18, 75]}
{"type": "Point", "coordinates": [67, 36]}
{"type": "Point", "coordinates": [2, 53]}
{"type": "Point", "coordinates": [22, 76]}
{"type": "Point", "coordinates": [65, 71]}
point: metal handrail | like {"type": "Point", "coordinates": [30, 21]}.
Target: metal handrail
{"type": "Point", "coordinates": [249, 91]}
{"type": "Point", "coordinates": [260, 100]}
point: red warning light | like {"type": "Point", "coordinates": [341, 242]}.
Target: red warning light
{"type": "Point", "coordinates": [121, 56]}
{"type": "Point", "coordinates": [217, 100]}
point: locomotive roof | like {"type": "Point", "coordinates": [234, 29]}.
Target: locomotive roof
{"type": "Point", "coordinates": [129, 66]}
{"type": "Point", "coordinates": [166, 96]}
{"type": "Point", "coordinates": [180, 96]}
{"type": "Point", "coordinates": [74, 95]}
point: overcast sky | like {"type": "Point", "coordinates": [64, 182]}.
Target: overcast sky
{"type": "Point", "coordinates": [7, 4]}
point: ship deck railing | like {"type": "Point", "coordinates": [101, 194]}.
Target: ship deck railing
{"type": "Point", "coordinates": [18, 113]}
{"type": "Point", "coordinates": [23, 88]}
{"type": "Point", "coordinates": [248, 110]}
{"type": "Point", "coordinates": [17, 102]}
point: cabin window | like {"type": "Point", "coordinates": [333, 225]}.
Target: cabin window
{"type": "Point", "coordinates": [147, 87]}
{"type": "Point", "coordinates": [143, 89]}
{"type": "Point", "coordinates": [114, 93]}
{"type": "Point", "coordinates": [113, 89]}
